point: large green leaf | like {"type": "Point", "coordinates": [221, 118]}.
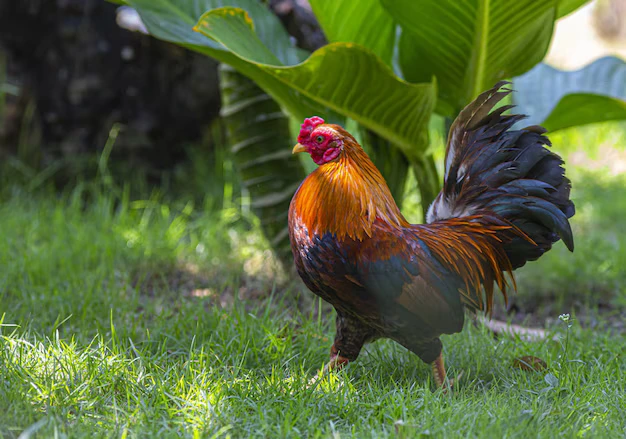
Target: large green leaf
{"type": "Point", "coordinates": [173, 21]}
{"type": "Point", "coordinates": [340, 78]}
{"type": "Point", "coordinates": [568, 6]}
{"type": "Point", "coordinates": [364, 22]}
{"type": "Point", "coordinates": [599, 93]}
{"type": "Point", "coordinates": [343, 76]}
{"type": "Point", "coordinates": [584, 108]}
{"type": "Point", "coordinates": [470, 45]}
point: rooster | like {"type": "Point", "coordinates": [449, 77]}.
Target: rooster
{"type": "Point", "coordinates": [505, 201]}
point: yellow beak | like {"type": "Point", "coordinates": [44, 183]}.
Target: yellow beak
{"type": "Point", "coordinates": [298, 148]}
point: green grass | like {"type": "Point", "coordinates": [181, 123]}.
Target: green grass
{"type": "Point", "coordinates": [147, 318]}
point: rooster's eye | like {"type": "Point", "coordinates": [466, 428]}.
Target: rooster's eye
{"type": "Point", "coordinates": [319, 139]}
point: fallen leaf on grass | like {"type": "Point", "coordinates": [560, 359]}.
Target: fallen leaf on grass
{"type": "Point", "coordinates": [529, 363]}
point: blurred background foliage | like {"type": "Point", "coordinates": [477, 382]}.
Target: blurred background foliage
{"type": "Point", "coordinates": [91, 103]}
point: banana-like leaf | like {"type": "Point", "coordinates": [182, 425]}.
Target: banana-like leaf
{"type": "Point", "coordinates": [173, 21]}
{"type": "Point", "coordinates": [469, 45]}
{"type": "Point", "coordinates": [584, 108]}
{"type": "Point", "coordinates": [363, 22]}
{"type": "Point", "coordinates": [371, 26]}
{"type": "Point", "coordinates": [341, 78]}
{"type": "Point", "coordinates": [568, 6]}
{"type": "Point", "coordinates": [559, 99]}
{"type": "Point", "coordinates": [260, 142]}
{"type": "Point", "coordinates": [345, 77]}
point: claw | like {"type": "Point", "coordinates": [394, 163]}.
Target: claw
{"type": "Point", "coordinates": [440, 376]}
{"type": "Point", "coordinates": [337, 362]}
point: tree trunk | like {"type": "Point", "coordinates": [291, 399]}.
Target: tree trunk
{"type": "Point", "coordinates": [80, 73]}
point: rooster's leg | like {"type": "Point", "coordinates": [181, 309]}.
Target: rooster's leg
{"type": "Point", "coordinates": [350, 337]}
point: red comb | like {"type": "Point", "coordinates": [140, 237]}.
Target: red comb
{"type": "Point", "coordinates": [310, 123]}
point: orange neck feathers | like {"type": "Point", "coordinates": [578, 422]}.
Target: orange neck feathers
{"type": "Point", "coordinates": [346, 196]}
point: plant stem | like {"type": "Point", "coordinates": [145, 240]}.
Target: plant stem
{"type": "Point", "coordinates": [390, 161]}
{"type": "Point", "coordinates": [427, 179]}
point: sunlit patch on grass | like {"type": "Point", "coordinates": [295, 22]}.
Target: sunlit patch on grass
{"type": "Point", "coordinates": [203, 292]}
